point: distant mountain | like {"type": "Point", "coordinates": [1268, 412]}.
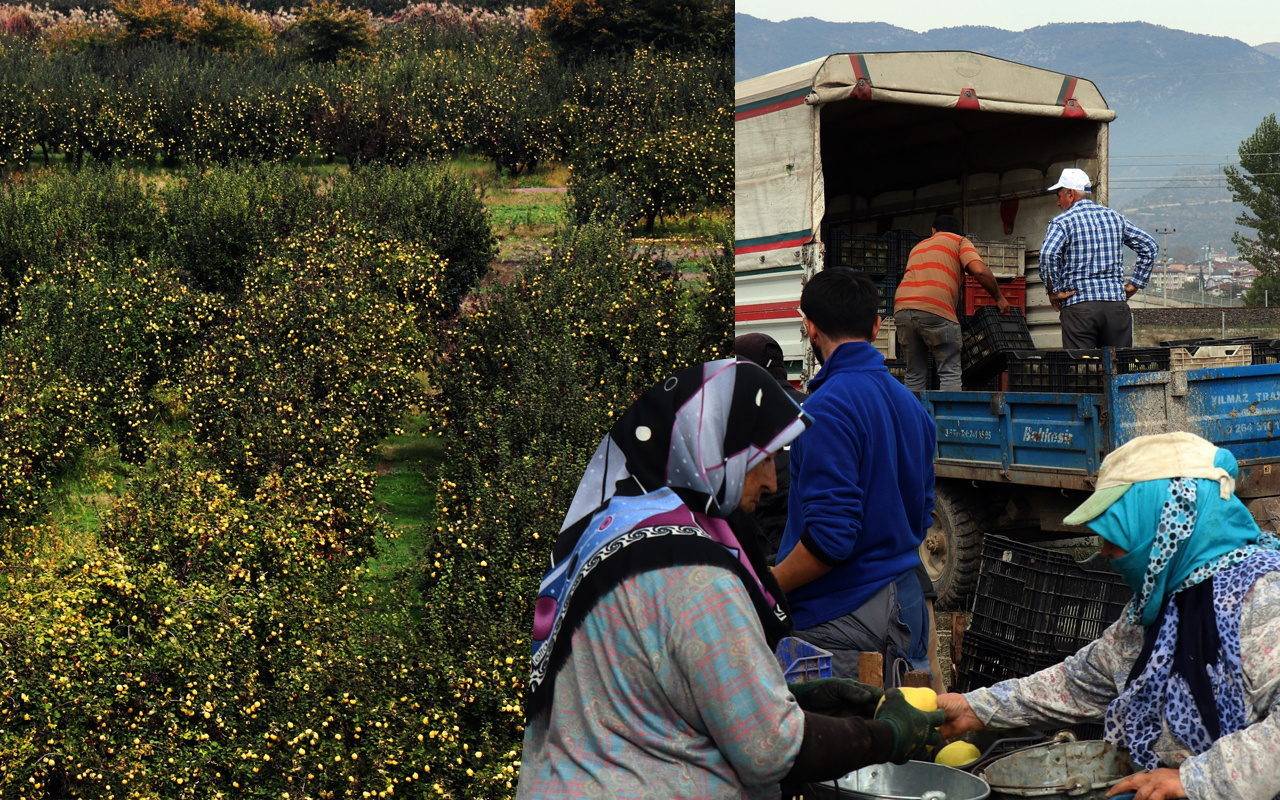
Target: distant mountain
{"type": "Point", "coordinates": [1270, 48]}
{"type": "Point", "coordinates": [1175, 93]}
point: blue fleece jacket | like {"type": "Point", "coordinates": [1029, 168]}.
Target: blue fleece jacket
{"type": "Point", "coordinates": [861, 483]}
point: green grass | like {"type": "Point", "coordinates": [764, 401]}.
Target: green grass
{"type": "Point", "coordinates": [405, 495]}
{"type": "Point", "coordinates": [483, 172]}
{"type": "Point", "coordinates": [511, 212]}
{"type": "Point", "coordinates": [84, 495]}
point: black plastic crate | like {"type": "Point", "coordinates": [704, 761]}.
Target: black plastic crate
{"type": "Point", "coordinates": [888, 289]}
{"type": "Point", "coordinates": [986, 660]}
{"type": "Point", "coordinates": [898, 369]}
{"type": "Point", "coordinates": [1043, 602]}
{"type": "Point", "coordinates": [988, 336]}
{"type": "Point", "coordinates": [1196, 342]}
{"type": "Point", "coordinates": [875, 255]}
{"type": "Point", "coordinates": [904, 241]}
{"type": "Point", "coordinates": [1078, 371]}
{"type": "Point", "coordinates": [1267, 352]}
{"type": "Point", "coordinates": [1131, 360]}
{"type": "Point", "coordinates": [1029, 371]}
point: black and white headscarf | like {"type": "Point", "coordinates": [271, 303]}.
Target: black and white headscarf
{"type": "Point", "coordinates": [662, 490]}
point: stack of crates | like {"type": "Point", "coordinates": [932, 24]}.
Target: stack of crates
{"type": "Point", "coordinates": [1034, 607]}
{"type": "Point", "coordinates": [883, 258]}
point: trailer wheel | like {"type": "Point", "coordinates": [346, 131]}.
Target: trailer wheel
{"type": "Point", "coordinates": [953, 547]}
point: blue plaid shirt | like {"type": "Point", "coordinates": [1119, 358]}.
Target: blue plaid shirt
{"type": "Point", "coordinates": [1081, 251]}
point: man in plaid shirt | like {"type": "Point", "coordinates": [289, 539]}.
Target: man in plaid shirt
{"type": "Point", "coordinates": [1080, 263]}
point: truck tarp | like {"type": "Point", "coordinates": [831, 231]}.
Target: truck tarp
{"type": "Point", "coordinates": [780, 197]}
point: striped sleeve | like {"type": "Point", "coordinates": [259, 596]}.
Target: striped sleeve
{"type": "Point", "coordinates": [968, 254]}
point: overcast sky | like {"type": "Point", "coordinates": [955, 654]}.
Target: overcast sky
{"type": "Point", "coordinates": [1250, 21]}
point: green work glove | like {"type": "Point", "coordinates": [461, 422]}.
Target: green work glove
{"type": "Point", "coordinates": [837, 697]}
{"type": "Point", "coordinates": [913, 729]}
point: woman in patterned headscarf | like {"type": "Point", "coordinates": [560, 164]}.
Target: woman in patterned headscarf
{"type": "Point", "coordinates": [653, 635]}
{"type": "Point", "coordinates": [1189, 678]}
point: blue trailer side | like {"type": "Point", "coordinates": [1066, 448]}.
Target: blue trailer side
{"type": "Point", "coordinates": [1016, 461]}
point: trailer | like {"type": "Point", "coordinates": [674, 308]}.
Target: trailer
{"type": "Point", "coordinates": [861, 144]}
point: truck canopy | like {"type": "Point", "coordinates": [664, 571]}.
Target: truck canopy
{"type": "Point", "coordinates": [870, 142]}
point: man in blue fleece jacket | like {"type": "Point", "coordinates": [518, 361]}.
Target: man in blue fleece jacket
{"type": "Point", "coordinates": [861, 491]}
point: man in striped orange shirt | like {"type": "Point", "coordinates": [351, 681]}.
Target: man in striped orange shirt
{"type": "Point", "coordinates": [925, 305]}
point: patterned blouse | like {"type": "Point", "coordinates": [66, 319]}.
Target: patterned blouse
{"type": "Point", "coordinates": [669, 691]}
{"type": "Point", "coordinates": [1241, 766]}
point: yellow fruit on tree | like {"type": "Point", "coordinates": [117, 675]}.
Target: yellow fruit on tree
{"type": "Point", "coordinates": [957, 754]}
{"type": "Point", "coordinates": [922, 698]}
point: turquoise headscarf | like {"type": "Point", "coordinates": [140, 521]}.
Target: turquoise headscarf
{"type": "Point", "coordinates": [1177, 533]}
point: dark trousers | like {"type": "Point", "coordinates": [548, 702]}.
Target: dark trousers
{"type": "Point", "coordinates": [1097, 323]}
{"type": "Point", "coordinates": [893, 622]}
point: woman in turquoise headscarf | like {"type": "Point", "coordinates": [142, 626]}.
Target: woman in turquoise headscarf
{"type": "Point", "coordinates": [1189, 678]}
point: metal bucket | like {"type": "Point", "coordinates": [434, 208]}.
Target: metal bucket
{"type": "Point", "coordinates": [1064, 769]}
{"type": "Point", "coordinates": [914, 780]}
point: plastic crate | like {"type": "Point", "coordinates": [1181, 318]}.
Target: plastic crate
{"type": "Point", "coordinates": [1005, 258]}
{"type": "Point", "coordinates": [1267, 352]}
{"type": "Point", "coordinates": [1130, 360]}
{"type": "Point", "coordinates": [1077, 371]}
{"type": "Point", "coordinates": [1044, 603]}
{"type": "Point", "coordinates": [1029, 371]}
{"type": "Point", "coordinates": [1210, 356]}
{"type": "Point", "coordinates": [888, 289]}
{"type": "Point", "coordinates": [975, 297]}
{"type": "Point", "coordinates": [986, 660]}
{"type": "Point", "coordinates": [875, 255]}
{"type": "Point", "coordinates": [904, 241]}
{"type": "Point", "coordinates": [801, 661]}
{"type": "Point", "coordinates": [988, 336]}
{"type": "Point", "coordinates": [898, 369]}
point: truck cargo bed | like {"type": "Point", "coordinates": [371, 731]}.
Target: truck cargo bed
{"type": "Point", "coordinates": [1058, 440]}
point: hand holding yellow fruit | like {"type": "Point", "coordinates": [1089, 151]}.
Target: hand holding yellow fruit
{"type": "Point", "coordinates": [957, 754]}
{"type": "Point", "coordinates": [922, 698]}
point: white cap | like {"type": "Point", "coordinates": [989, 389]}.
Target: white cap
{"type": "Point", "coordinates": [1150, 458]}
{"type": "Point", "coordinates": [1072, 178]}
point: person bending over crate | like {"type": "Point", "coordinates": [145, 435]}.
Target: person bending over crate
{"type": "Point", "coordinates": [925, 305]}
{"type": "Point", "coordinates": [1188, 679]}
{"type": "Point", "coordinates": [653, 666]}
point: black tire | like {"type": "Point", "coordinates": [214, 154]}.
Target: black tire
{"type": "Point", "coordinates": [952, 548]}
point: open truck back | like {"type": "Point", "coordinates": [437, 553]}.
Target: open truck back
{"type": "Point", "coordinates": [867, 143]}
{"type": "Point", "coordinates": [859, 144]}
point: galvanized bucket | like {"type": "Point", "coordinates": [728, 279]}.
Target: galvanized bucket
{"type": "Point", "coordinates": [1057, 771]}
{"type": "Point", "coordinates": [914, 780]}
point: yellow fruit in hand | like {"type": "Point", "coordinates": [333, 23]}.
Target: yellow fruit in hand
{"type": "Point", "coordinates": [922, 698]}
{"type": "Point", "coordinates": [957, 754]}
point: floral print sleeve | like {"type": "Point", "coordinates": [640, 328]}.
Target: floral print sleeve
{"type": "Point", "coordinates": [1242, 765]}
{"type": "Point", "coordinates": [1077, 690]}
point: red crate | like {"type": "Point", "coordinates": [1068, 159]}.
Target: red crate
{"type": "Point", "coordinates": [1013, 289]}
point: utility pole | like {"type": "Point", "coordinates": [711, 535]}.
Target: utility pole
{"type": "Point", "coordinates": [1207, 250]}
{"type": "Point", "coordinates": [1164, 273]}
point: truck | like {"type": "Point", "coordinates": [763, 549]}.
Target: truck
{"type": "Point", "coordinates": [860, 144]}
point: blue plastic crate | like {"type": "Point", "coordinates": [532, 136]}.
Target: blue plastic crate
{"type": "Point", "coordinates": [801, 661]}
